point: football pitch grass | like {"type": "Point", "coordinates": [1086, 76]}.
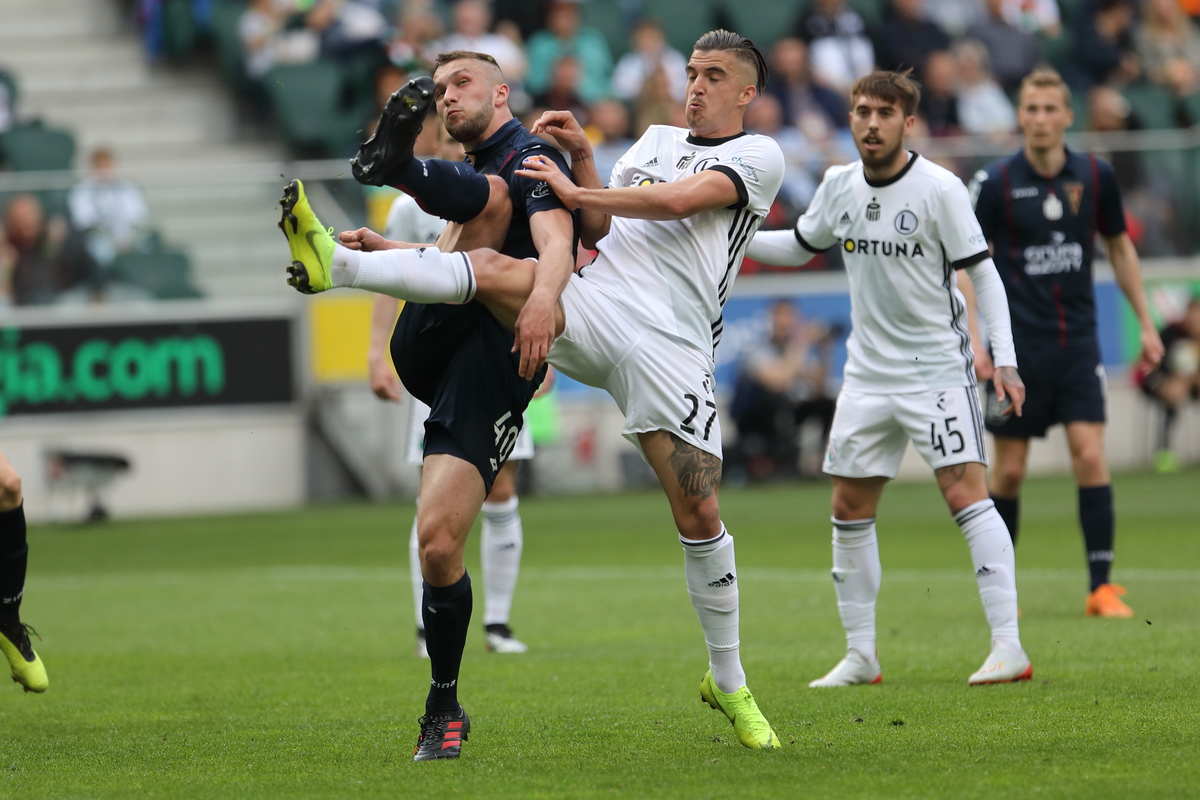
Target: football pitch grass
{"type": "Point", "coordinates": [271, 656]}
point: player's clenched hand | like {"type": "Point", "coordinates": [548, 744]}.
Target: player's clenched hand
{"type": "Point", "coordinates": [1152, 346]}
{"type": "Point", "coordinates": [564, 129]}
{"type": "Point", "coordinates": [1009, 384]}
{"type": "Point", "coordinates": [384, 382]}
{"type": "Point", "coordinates": [363, 239]}
{"type": "Point", "coordinates": [534, 335]}
{"type": "Point", "coordinates": [541, 169]}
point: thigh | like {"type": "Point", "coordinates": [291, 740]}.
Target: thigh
{"type": "Point", "coordinates": [597, 335]}
{"type": "Point", "coordinates": [1081, 386]}
{"type": "Point", "coordinates": [866, 440]}
{"type": "Point", "coordinates": [946, 426]}
{"type": "Point", "coordinates": [665, 385]}
{"type": "Point", "coordinates": [477, 410]}
{"type": "Point", "coordinates": [1037, 368]}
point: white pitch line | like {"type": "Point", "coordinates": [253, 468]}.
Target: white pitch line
{"type": "Point", "coordinates": [343, 574]}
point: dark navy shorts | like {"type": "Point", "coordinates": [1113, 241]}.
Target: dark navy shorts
{"type": "Point", "coordinates": [1062, 384]}
{"type": "Point", "coordinates": [457, 360]}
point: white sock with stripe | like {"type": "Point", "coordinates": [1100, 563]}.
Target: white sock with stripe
{"type": "Point", "coordinates": [422, 274]}
{"type": "Point", "coordinates": [995, 568]}
{"type": "Point", "coordinates": [500, 553]}
{"type": "Point", "coordinates": [712, 585]}
{"type": "Point", "coordinates": [856, 577]}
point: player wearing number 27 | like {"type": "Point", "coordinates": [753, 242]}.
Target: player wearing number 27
{"type": "Point", "coordinates": [905, 229]}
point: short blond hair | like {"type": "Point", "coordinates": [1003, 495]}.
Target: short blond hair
{"type": "Point", "coordinates": [1046, 78]}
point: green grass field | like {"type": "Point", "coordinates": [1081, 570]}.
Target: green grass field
{"type": "Point", "coordinates": [271, 656]}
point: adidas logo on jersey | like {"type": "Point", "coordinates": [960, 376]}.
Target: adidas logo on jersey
{"type": "Point", "coordinates": [651, 163]}
{"type": "Point", "coordinates": [728, 580]}
{"type": "Point", "coordinates": [845, 220]}
{"type": "Point", "coordinates": [876, 247]}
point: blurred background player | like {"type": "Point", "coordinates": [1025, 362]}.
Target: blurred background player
{"type": "Point", "coordinates": [1174, 380]}
{"type": "Point", "coordinates": [906, 231]}
{"type": "Point", "coordinates": [502, 539]}
{"type": "Point", "coordinates": [27, 667]}
{"type": "Point", "coordinates": [1041, 209]}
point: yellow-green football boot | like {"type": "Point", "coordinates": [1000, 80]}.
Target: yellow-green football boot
{"type": "Point", "coordinates": [27, 669]}
{"type": "Point", "coordinates": [751, 726]}
{"type": "Point", "coordinates": [312, 245]}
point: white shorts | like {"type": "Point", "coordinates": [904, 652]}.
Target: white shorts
{"type": "Point", "coordinates": [660, 383]}
{"type": "Point", "coordinates": [871, 431]}
{"type": "Point", "coordinates": [414, 451]}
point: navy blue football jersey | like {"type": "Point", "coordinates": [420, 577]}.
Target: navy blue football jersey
{"type": "Point", "coordinates": [1043, 234]}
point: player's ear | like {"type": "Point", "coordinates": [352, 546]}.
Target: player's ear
{"type": "Point", "coordinates": [909, 122]}
{"type": "Point", "coordinates": [748, 93]}
{"type": "Point", "coordinates": [501, 96]}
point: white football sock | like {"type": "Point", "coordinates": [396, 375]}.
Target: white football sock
{"type": "Point", "coordinates": [500, 553]}
{"type": "Point", "coordinates": [856, 577]}
{"type": "Point", "coordinates": [712, 586]}
{"type": "Point", "coordinates": [995, 568]}
{"type": "Point", "coordinates": [422, 275]}
{"type": "Point", "coordinates": [414, 571]}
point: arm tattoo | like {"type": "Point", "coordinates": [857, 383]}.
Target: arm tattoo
{"type": "Point", "coordinates": [948, 476]}
{"type": "Point", "coordinates": [698, 472]}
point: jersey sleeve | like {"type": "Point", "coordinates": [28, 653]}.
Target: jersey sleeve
{"type": "Point", "coordinates": [985, 198]}
{"type": "Point", "coordinates": [1110, 211]}
{"type": "Point", "coordinates": [756, 169]}
{"type": "Point", "coordinates": [959, 230]}
{"type": "Point", "coordinates": [619, 175]}
{"type": "Point", "coordinates": [814, 229]}
{"type": "Point", "coordinates": [538, 195]}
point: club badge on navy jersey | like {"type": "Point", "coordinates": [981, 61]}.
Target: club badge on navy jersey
{"type": "Point", "coordinates": [1052, 207]}
{"type": "Point", "coordinates": [1074, 193]}
{"type": "Point", "coordinates": [872, 211]}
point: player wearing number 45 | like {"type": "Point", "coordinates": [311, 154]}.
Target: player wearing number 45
{"type": "Point", "coordinates": [905, 229]}
{"type": "Point", "coordinates": [1041, 209]}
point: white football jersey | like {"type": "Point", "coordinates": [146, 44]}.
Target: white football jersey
{"type": "Point", "coordinates": [902, 241]}
{"type": "Point", "coordinates": [676, 274]}
{"type": "Point", "coordinates": [406, 222]}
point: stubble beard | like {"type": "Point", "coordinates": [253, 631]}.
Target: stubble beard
{"type": "Point", "coordinates": [472, 128]}
{"type": "Point", "coordinates": [881, 158]}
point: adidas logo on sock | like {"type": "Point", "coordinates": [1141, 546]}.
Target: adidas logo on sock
{"type": "Point", "coordinates": [728, 580]}
{"type": "Point", "coordinates": [845, 220]}
{"type": "Point", "coordinates": [1100, 555]}
{"type": "Point", "coordinates": [838, 577]}
{"type": "Point", "coordinates": [983, 572]}
{"type": "Point", "coordinates": [651, 163]}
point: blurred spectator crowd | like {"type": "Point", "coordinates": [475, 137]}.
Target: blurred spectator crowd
{"type": "Point", "coordinates": [321, 69]}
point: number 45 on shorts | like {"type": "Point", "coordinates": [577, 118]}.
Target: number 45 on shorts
{"type": "Point", "coordinates": [938, 440]}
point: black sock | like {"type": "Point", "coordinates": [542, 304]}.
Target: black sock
{"type": "Point", "coordinates": [1097, 520]}
{"type": "Point", "coordinates": [14, 555]}
{"type": "Point", "coordinates": [1164, 433]}
{"type": "Point", "coordinates": [451, 190]}
{"type": "Point", "coordinates": [1009, 509]}
{"type": "Point", "coordinates": [447, 613]}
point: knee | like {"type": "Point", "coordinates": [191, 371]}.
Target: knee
{"type": "Point", "coordinates": [499, 204]}
{"type": "Point", "coordinates": [1007, 478]}
{"type": "Point", "coordinates": [10, 489]}
{"type": "Point", "coordinates": [851, 508]}
{"type": "Point", "coordinates": [1089, 461]}
{"type": "Point", "coordinates": [439, 550]}
{"type": "Point", "coordinates": [700, 519]}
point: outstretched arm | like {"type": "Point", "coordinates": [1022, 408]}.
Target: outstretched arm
{"type": "Point", "coordinates": [779, 249]}
{"type": "Point", "coordinates": [553, 235]}
{"type": "Point", "coordinates": [564, 129]}
{"type": "Point", "coordinates": [1124, 259]}
{"type": "Point", "coordinates": [705, 191]}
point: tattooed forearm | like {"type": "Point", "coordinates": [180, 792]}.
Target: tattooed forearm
{"type": "Point", "coordinates": [698, 472]}
{"type": "Point", "coordinates": [948, 476]}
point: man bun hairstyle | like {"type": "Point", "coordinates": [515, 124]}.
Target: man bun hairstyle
{"type": "Point", "coordinates": [897, 88]}
{"type": "Point", "coordinates": [455, 55]}
{"type": "Point", "coordinates": [1044, 77]}
{"type": "Point", "coordinates": [741, 47]}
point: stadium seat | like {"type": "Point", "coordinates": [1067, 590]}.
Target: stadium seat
{"type": "Point", "coordinates": [306, 99]}
{"type": "Point", "coordinates": [228, 43]}
{"type": "Point", "coordinates": [1153, 104]}
{"type": "Point", "coordinates": [608, 17]}
{"type": "Point", "coordinates": [36, 147]}
{"type": "Point", "coordinates": [763, 21]}
{"type": "Point", "coordinates": [162, 274]}
{"type": "Point", "coordinates": [685, 21]}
